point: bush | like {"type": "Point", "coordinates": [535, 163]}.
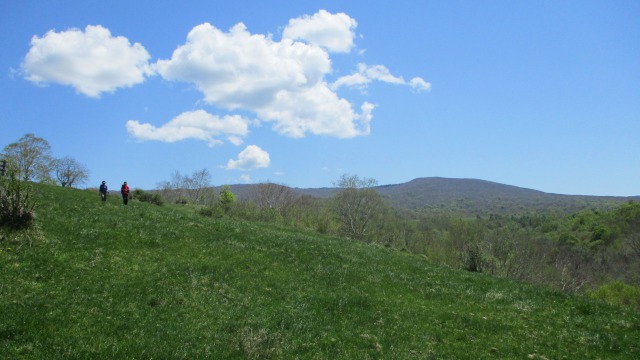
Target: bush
{"type": "Point", "coordinates": [472, 257]}
{"type": "Point", "coordinates": [619, 293]}
{"type": "Point", "coordinates": [144, 196]}
{"type": "Point", "coordinates": [212, 211]}
{"type": "Point", "coordinates": [16, 205]}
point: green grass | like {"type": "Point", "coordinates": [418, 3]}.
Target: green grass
{"type": "Point", "coordinates": [105, 281]}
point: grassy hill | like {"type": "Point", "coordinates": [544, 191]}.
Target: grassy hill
{"type": "Point", "coordinates": [105, 281]}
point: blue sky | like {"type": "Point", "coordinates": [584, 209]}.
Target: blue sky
{"type": "Point", "coordinates": [536, 94]}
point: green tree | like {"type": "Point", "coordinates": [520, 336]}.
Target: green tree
{"type": "Point", "coordinates": [227, 198]}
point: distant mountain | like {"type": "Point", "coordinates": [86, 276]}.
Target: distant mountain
{"type": "Point", "coordinates": [478, 197]}
{"type": "Point", "coordinates": [470, 196]}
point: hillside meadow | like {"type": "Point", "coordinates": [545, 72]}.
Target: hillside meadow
{"type": "Point", "coordinates": [107, 281]}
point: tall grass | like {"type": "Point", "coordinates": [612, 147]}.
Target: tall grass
{"type": "Point", "coordinates": [108, 281]}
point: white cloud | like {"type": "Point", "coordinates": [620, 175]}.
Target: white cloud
{"type": "Point", "coordinates": [335, 32]}
{"type": "Point", "coordinates": [92, 61]}
{"type": "Point", "coordinates": [241, 70]}
{"type": "Point", "coordinates": [419, 84]}
{"type": "Point", "coordinates": [245, 178]}
{"type": "Point", "coordinates": [197, 124]}
{"type": "Point", "coordinates": [368, 73]}
{"type": "Point", "coordinates": [317, 110]}
{"type": "Point", "coordinates": [379, 72]}
{"type": "Point", "coordinates": [354, 80]}
{"type": "Point", "coordinates": [282, 82]}
{"type": "Point", "coordinates": [252, 157]}
{"type": "Point", "coordinates": [366, 116]}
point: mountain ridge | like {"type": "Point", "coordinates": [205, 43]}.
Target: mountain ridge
{"type": "Point", "coordinates": [477, 196]}
{"type": "Point", "coordinates": [476, 193]}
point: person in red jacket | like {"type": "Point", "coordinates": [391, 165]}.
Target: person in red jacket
{"type": "Point", "coordinates": [124, 190]}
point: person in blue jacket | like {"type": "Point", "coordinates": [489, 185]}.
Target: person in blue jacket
{"type": "Point", "coordinates": [103, 191]}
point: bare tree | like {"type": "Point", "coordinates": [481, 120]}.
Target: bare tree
{"type": "Point", "coordinates": [270, 196]}
{"type": "Point", "coordinates": [70, 172]}
{"type": "Point", "coordinates": [174, 189]}
{"type": "Point", "coordinates": [182, 188]}
{"type": "Point", "coordinates": [198, 185]}
{"type": "Point", "coordinates": [357, 204]}
{"type": "Point", "coordinates": [31, 157]}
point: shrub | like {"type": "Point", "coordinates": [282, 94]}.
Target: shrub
{"type": "Point", "coordinates": [619, 293]}
{"type": "Point", "coordinates": [472, 257]}
{"type": "Point", "coordinates": [16, 205]}
{"type": "Point", "coordinates": [144, 196]}
{"type": "Point", "coordinates": [212, 211]}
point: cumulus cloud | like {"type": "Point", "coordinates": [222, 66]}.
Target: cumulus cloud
{"type": "Point", "coordinates": [368, 73]}
{"type": "Point", "coordinates": [252, 157]}
{"type": "Point", "coordinates": [92, 61]}
{"type": "Point", "coordinates": [335, 32]}
{"type": "Point", "coordinates": [237, 69]}
{"type": "Point", "coordinates": [197, 124]}
{"type": "Point", "coordinates": [282, 82]}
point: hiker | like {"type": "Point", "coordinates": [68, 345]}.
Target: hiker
{"type": "Point", "coordinates": [124, 190]}
{"type": "Point", "coordinates": [103, 191]}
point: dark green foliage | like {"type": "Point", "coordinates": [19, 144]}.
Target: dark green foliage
{"type": "Point", "coordinates": [16, 203]}
{"type": "Point", "coordinates": [144, 196]}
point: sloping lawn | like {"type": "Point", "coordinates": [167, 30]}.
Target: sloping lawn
{"type": "Point", "coordinates": [105, 281]}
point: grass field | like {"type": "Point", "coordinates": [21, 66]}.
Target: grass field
{"type": "Point", "coordinates": [107, 281]}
